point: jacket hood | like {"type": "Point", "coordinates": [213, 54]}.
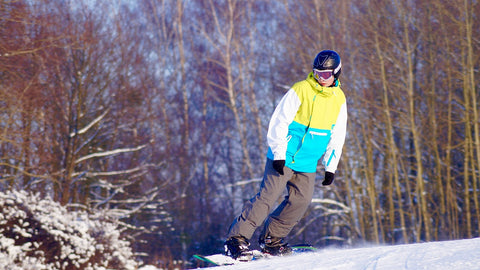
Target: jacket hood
{"type": "Point", "coordinates": [323, 90]}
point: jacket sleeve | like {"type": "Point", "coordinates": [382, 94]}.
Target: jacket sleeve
{"type": "Point", "coordinates": [337, 139]}
{"type": "Point", "coordinates": [278, 128]}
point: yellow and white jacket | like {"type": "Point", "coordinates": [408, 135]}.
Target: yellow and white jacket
{"type": "Point", "coordinates": [309, 122]}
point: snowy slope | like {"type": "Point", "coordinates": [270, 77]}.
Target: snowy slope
{"type": "Point", "coordinates": [459, 254]}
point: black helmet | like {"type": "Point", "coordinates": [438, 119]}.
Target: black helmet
{"type": "Point", "coordinates": [328, 59]}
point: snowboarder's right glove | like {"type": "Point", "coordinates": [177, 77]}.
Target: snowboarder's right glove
{"type": "Point", "coordinates": [278, 166]}
{"type": "Point", "coordinates": [328, 178]}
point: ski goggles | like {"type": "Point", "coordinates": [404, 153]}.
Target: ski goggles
{"type": "Point", "coordinates": [323, 74]}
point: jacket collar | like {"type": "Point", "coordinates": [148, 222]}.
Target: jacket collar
{"type": "Point", "coordinates": [324, 90]}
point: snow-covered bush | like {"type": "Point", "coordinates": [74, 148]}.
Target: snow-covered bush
{"type": "Point", "coordinates": [39, 233]}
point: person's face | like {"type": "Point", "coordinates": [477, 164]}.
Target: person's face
{"type": "Point", "coordinates": [324, 77]}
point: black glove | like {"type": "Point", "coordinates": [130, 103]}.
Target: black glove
{"type": "Point", "coordinates": [328, 178]}
{"type": "Point", "coordinates": [278, 166]}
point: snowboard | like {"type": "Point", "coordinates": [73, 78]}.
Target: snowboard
{"type": "Point", "coordinates": [221, 259]}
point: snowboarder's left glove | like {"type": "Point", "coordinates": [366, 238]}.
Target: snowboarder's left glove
{"type": "Point", "coordinates": [328, 178]}
{"type": "Point", "coordinates": [278, 166]}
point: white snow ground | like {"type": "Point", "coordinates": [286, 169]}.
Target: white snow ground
{"type": "Point", "coordinates": [458, 254]}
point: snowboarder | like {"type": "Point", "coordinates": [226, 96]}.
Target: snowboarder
{"type": "Point", "coordinates": [309, 122]}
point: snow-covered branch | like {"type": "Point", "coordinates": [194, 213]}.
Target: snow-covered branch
{"type": "Point", "coordinates": [110, 153]}
{"type": "Point", "coordinates": [38, 233]}
{"type": "Point", "coordinates": [86, 128]}
{"type": "Point", "coordinates": [332, 202]}
{"type": "Point", "coordinates": [115, 173]}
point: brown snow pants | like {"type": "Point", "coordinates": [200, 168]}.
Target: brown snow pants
{"type": "Point", "coordinates": [280, 222]}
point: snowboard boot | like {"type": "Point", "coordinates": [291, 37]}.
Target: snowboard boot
{"type": "Point", "coordinates": [275, 246]}
{"type": "Point", "coordinates": [237, 248]}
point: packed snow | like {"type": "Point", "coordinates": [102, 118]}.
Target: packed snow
{"type": "Point", "coordinates": [459, 254]}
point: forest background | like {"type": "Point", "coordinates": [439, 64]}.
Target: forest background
{"type": "Point", "coordinates": [157, 111]}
